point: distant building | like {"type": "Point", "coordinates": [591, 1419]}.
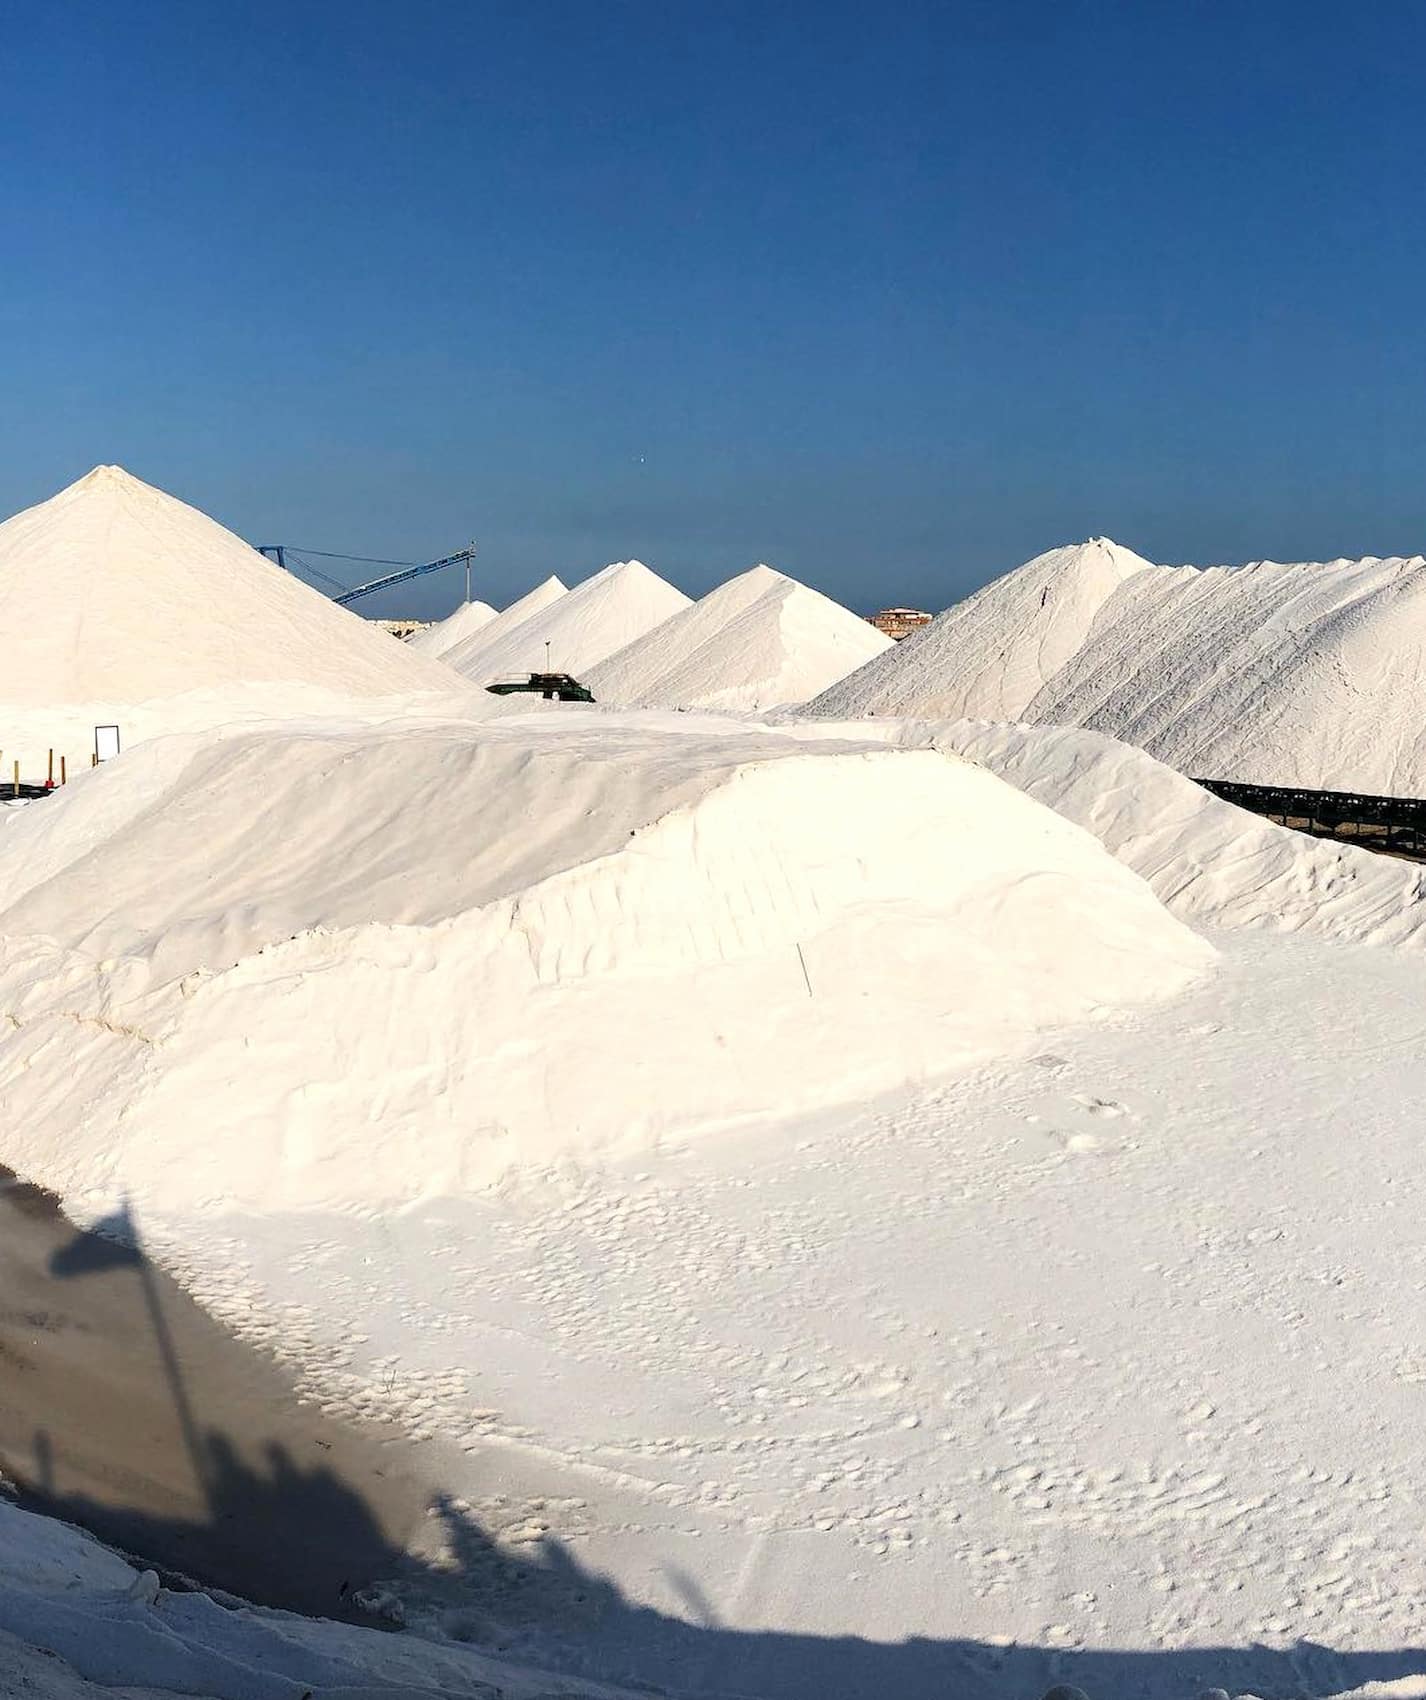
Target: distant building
{"type": "Point", "coordinates": [899, 622]}
{"type": "Point", "coordinates": [402, 628]}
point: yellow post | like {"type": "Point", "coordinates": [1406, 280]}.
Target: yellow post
{"type": "Point", "coordinates": [17, 779]}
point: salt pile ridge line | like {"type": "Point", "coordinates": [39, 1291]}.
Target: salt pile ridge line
{"type": "Point", "coordinates": [436, 639]}
{"type": "Point", "coordinates": [1212, 864]}
{"type": "Point", "coordinates": [125, 594]}
{"type": "Point", "coordinates": [1295, 675]}
{"type": "Point", "coordinates": [688, 891]}
{"type": "Point", "coordinates": [758, 641]}
{"type": "Point", "coordinates": [574, 631]}
{"type": "Point", "coordinates": [988, 657]}
{"type": "Point", "coordinates": [461, 629]}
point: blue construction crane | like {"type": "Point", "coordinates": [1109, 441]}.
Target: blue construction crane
{"type": "Point", "coordinates": [349, 593]}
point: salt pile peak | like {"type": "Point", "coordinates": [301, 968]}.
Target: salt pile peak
{"type": "Point", "coordinates": [446, 634]}
{"type": "Point", "coordinates": [116, 592]}
{"type": "Point", "coordinates": [526, 607]}
{"type": "Point", "coordinates": [1297, 674]}
{"type": "Point", "coordinates": [989, 656]}
{"type": "Point", "coordinates": [1292, 674]}
{"type": "Point", "coordinates": [580, 628]}
{"type": "Point", "coordinates": [759, 641]}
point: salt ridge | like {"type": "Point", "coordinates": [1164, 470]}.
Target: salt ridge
{"type": "Point", "coordinates": [1296, 674]}
{"type": "Point", "coordinates": [581, 628]}
{"type": "Point", "coordinates": [445, 634]}
{"type": "Point", "coordinates": [634, 962]}
{"type": "Point", "coordinates": [758, 641]}
{"type": "Point", "coordinates": [527, 607]}
{"type": "Point", "coordinates": [1210, 863]}
{"type": "Point", "coordinates": [989, 656]}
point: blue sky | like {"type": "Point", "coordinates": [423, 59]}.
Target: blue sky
{"type": "Point", "coordinates": [892, 296]}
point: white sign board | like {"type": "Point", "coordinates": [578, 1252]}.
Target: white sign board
{"type": "Point", "coordinates": [106, 742]}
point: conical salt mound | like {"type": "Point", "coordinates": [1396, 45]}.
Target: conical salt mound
{"type": "Point", "coordinates": [759, 641]}
{"type": "Point", "coordinates": [114, 592]}
{"type": "Point", "coordinates": [580, 628]}
{"type": "Point", "coordinates": [987, 658]}
{"type": "Point", "coordinates": [495, 631]}
{"type": "Point", "coordinates": [455, 628]}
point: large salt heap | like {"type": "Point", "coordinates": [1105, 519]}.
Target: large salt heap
{"type": "Point", "coordinates": [1300, 675]}
{"type": "Point", "coordinates": [675, 932]}
{"type": "Point", "coordinates": [1210, 863]}
{"type": "Point", "coordinates": [759, 641]}
{"type": "Point", "coordinates": [1307, 674]}
{"type": "Point", "coordinates": [460, 631]}
{"type": "Point", "coordinates": [989, 656]}
{"type": "Point", "coordinates": [581, 628]}
{"type": "Point", "coordinates": [114, 592]}
{"type": "Point", "coordinates": [445, 634]}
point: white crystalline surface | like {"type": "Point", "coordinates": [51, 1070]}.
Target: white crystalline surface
{"type": "Point", "coordinates": [897, 1207]}
{"type": "Point", "coordinates": [1211, 863]}
{"type": "Point", "coordinates": [574, 631]}
{"type": "Point", "coordinates": [770, 918]}
{"type": "Point", "coordinates": [469, 618]}
{"type": "Point", "coordinates": [462, 628]}
{"type": "Point", "coordinates": [989, 656]}
{"type": "Point", "coordinates": [758, 641]}
{"type": "Point", "coordinates": [113, 592]}
{"type": "Point", "coordinates": [1304, 674]}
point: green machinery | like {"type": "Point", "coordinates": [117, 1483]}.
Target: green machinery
{"type": "Point", "coordinates": [553, 687]}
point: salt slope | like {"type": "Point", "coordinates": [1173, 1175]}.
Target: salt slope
{"type": "Point", "coordinates": [445, 634]}
{"type": "Point", "coordinates": [592, 621]}
{"type": "Point", "coordinates": [119, 593]}
{"type": "Point", "coordinates": [1303, 674]}
{"type": "Point", "coordinates": [526, 607]}
{"type": "Point", "coordinates": [991, 655]}
{"type": "Point", "coordinates": [356, 826]}
{"type": "Point", "coordinates": [712, 925]}
{"type": "Point", "coordinates": [1208, 862]}
{"type": "Point", "coordinates": [759, 641]}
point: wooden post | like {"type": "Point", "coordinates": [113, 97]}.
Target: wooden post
{"type": "Point", "coordinates": [63, 770]}
{"type": "Point", "coordinates": [49, 774]}
{"type": "Point", "coordinates": [17, 779]}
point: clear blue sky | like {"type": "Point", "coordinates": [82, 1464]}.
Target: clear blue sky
{"type": "Point", "coordinates": [891, 296]}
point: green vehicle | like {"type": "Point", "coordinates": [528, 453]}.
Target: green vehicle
{"type": "Point", "coordinates": [553, 687]}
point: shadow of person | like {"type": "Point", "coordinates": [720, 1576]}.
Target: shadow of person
{"type": "Point", "coordinates": [130, 1412]}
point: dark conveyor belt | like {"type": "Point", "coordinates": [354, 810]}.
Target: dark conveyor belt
{"type": "Point", "coordinates": [1393, 824]}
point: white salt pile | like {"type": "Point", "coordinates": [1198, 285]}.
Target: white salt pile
{"type": "Point", "coordinates": [445, 634]}
{"type": "Point", "coordinates": [759, 641]}
{"type": "Point", "coordinates": [114, 592]}
{"type": "Point", "coordinates": [1208, 862]}
{"type": "Point", "coordinates": [1302, 674]}
{"type": "Point", "coordinates": [1307, 674]}
{"type": "Point", "coordinates": [989, 656]}
{"type": "Point", "coordinates": [1211, 863]}
{"type": "Point", "coordinates": [575, 631]}
{"type": "Point", "coordinates": [678, 931]}
{"type": "Point", "coordinates": [533, 602]}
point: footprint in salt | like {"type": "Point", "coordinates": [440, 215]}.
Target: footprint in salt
{"type": "Point", "coordinates": [1093, 1106]}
